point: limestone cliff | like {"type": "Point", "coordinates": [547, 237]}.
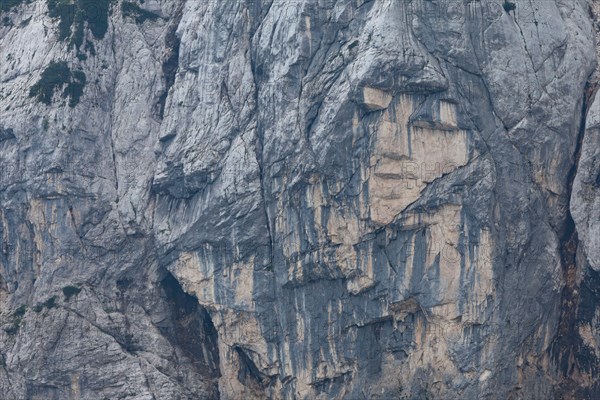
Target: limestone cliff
{"type": "Point", "coordinates": [299, 199]}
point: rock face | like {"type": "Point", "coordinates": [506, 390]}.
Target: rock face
{"type": "Point", "coordinates": [342, 199]}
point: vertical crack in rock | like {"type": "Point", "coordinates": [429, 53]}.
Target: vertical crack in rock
{"type": "Point", "coordinates": [249, 374]}
{"type": "Point", "coordinates": [171, 63]}
{"type": "Point", "coordinates": [193, 330]}
{"type": "Point", "coordinates": [572, 357]}
{"type": "Point", "coordinates": [257, 72]}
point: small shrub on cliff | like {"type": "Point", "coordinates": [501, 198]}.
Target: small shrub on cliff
{"type": "Point", "coordinates": [75, 88]}
{"type": "Point", "coordinates": [17, 317]}
{"type": "Point", "coordinates": [50, 303]}
{"type": "Point", "coordinates": [509, 6]}
{"type": "Point", "coordinates": [95, 12]}
{"type": "Point", "coordinates": [19, 312]}
{"type": "Point", "coordinates": [63, 10]}
{"type": "Point", "coordinates": [7, 5]}
{"type": "Point", "coordinates": [136, 12]}
{"type": "Point", "coordinates": [13, 328]}
{"type": "Point", "coordinates": [54, 76]}
{"type": "Point", "coordinates": [70, 291]}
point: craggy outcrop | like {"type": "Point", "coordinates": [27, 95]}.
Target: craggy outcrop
{"type": "Point", "coordinates": [299, 199]}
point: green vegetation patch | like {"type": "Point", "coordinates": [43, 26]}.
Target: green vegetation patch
{"type": "Point", "coordinates": [7, 5]}
{"type": "Point", "coordinates": [56, 76]}
{"type": "Point", "coordinates": [70, 291]}
{"type": "Point", "coordinates": [17, 318]}
{"type": "Point", "coordinates": [73, 14]}
{"type": "Point", "coordinates": [509, 6]}
{"type": "Point", "coordinates": [13, 328]}
{"type": "Point", "coordinates": [134, 11]}
{"type": "Point", "coordinates": [63, 10]}
{"type": "Point", "coordinates": [19, 312]}
{"type": "Point", "coordinates": [50, 303]}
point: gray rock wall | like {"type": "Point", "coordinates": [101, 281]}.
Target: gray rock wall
{"type": "Point", "coordinates": [299, 199]}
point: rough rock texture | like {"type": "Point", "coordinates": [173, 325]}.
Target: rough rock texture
{"type": "Point", "coordinates": [318, 199]}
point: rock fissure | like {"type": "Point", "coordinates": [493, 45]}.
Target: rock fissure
{"type": "Point", "coordinates": [570, 352]}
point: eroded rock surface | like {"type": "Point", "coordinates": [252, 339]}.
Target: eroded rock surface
{"type": "Point", "coordinates": [299, 199]}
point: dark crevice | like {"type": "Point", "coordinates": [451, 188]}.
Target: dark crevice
{"type": "Point", "coordinates": [249, 374]}
{"type": "Point", "coordinates": [571, 356]}
{"type": "Point", "coordinates": [258, 75]}
{"type": "Point", "coordinates": [170, 65]}
{"type": "Point", "coordinates": [6, 134]}
{"type": "Point", "coordinates": [191, 328]}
